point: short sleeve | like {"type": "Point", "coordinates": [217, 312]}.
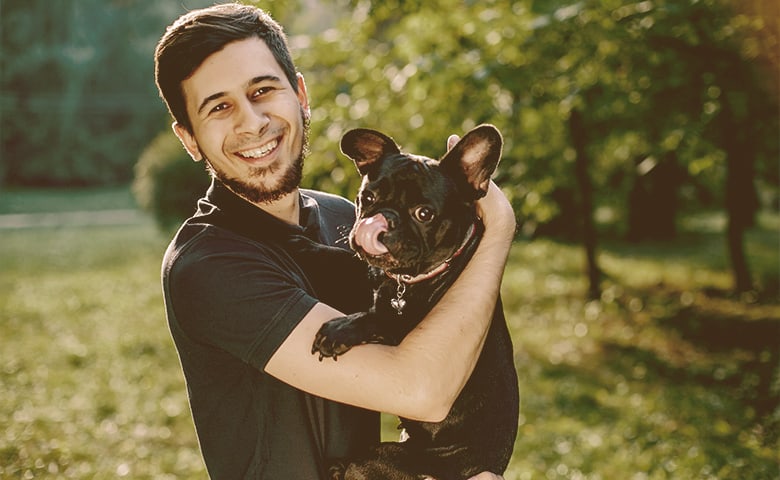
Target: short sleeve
{"type": "Point", "coordinates": [239, 296]}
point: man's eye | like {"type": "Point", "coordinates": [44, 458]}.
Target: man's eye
{"type": "Point", "coordinates": [220, 107]}
{"type": "Point", "coordinates": [261, 91]}
{"type": "Point", "coordinates": [424, 214]}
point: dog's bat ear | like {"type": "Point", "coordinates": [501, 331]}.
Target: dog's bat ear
{"type": "Point", "coordinates": [366, 146]}
{"type": "Point", "coordinates": [474, 159]}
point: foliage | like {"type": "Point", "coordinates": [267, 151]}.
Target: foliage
{"type": "Point", "coordinates": [673, 109]}
{"type": "Point", "coordinates": [650, 77]}
{"type": "Point", "coordinates": [168, 182]}
{"type": "Point", "coordinates": [663, 377]}
{"type": "Point", "coordinates": [78, 101]}
{"type": "Point", "coordinates": [78, 104]}
{"type": "Point", "coordinates": [78, 97]}
{"type": "Point", "coordinates": [63, 103]}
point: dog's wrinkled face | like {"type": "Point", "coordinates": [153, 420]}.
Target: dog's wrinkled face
{"type": "Point", "coordinates": [413, 211]}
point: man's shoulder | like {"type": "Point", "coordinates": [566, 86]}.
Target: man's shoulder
{"type": "Point", "coordinates": [195, 242]}
{"type": "Point", "coordinates": [204, 236]}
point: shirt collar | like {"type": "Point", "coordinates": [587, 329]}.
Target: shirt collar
{"type": "Point", "coordinates": [223, 208]}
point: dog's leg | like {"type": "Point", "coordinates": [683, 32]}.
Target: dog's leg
{"type": "Point", "coordinates": [338, 336]}
{"type": "Point", "coordinates": [388, 461]}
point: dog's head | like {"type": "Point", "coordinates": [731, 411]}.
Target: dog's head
{"type": "Point", "coordinates": [413, 211]}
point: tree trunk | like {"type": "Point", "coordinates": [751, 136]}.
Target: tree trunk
{"type": "Point", "coordinates": [654, 199]}
{"type": "Point", "coordinates": [736, 246]}
{"type": "Point", "coordinates": [585, 187]}
{"type": "Point", "coordinates": [741, 196]}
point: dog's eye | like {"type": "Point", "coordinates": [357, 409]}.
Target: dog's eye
{"type": "Point", "coordinates": [367, 198]}
{"type": "Point", "coordinates": [424, 214]}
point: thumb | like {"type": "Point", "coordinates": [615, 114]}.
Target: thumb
{"type": "Point", "coordinates": [451, 141]}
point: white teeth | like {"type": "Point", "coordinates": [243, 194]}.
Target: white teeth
{"type": "Point", "coordinates": [260, 152]}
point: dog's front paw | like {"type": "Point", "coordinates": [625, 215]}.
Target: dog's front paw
{"type": "Point", "coordinates": [336, 337]}
{"type": "Point", "coordinates": [336, 471]}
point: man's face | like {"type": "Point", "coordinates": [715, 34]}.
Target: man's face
{"type": "Point", "coordinates": [247, 121]}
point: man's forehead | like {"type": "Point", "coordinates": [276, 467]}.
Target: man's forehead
{"type": "Point", "coordinates": [231, 69]}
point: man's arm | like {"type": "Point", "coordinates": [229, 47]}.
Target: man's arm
{"type": "Point", "coordinates": [420, 378]}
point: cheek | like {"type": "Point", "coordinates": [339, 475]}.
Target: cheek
{"type": "Point", "coordinates": [295, 113]}
{"type": "Point", "coordinates": [210, 139]}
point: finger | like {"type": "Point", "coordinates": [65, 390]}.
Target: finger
{"type": "Point", "coordinates": [487, 476]}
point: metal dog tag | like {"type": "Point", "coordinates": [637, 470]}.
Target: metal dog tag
{"type": "Point", "coordinates": [398, 304]}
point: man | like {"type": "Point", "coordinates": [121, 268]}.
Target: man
{"type": "Point", "coordinates": [243, 308]}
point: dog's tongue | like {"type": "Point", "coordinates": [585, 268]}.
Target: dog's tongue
{"type": "Point", "coordinates": [367, 234]}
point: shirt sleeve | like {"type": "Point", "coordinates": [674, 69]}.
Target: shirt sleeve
{"type": "Point", "coordinates": [238, 296]}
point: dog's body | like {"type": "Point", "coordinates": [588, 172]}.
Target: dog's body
{"type": "Point", "coordinates": [417, 228]}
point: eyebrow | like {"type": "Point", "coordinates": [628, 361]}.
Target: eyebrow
{"type": "Point", "coordinates": [254, 81]}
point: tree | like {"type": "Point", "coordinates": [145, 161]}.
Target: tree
{"type": "Point", "coordinates": [737, 109]}
{"type": "Point", "coordinates": [643, 110]}
{"type": "Point", "coordinates": [78, 97]}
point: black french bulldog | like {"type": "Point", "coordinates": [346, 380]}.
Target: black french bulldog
{"type": "Point", "coordinates": [417, 228]}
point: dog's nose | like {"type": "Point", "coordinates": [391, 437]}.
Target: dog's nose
{"type": "Point", "coordinates": [391, 217]}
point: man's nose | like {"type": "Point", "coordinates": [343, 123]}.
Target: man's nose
{"type": "Point", "coordinates": [250, 118]}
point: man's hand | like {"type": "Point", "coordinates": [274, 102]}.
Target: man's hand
{"type": "Point", "coordinates": [487, 476]}
{"type": "Point", "coordinates": [496, 212]}
{"type": "Point", "coordinates": [481, 476]}
{"type": "Point", "coordinates": [451, 141]}
{"type": "Point", "coordinates": [494, 208]}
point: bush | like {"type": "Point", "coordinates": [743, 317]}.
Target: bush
{"type": "Point", "coordinates": [167, 182]}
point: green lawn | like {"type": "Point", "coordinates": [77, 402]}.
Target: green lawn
{"type": "Point", "coordinates": [65, 199]}
{"type": "Point", "coordinates": [667, 376]}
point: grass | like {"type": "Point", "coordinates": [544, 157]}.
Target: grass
{"type": "Point", "coordinates": [90, 380]}
{"type": "Point", "coordinates": [667, 376]}
{"type": "Point", "coordinates": [54, 200]}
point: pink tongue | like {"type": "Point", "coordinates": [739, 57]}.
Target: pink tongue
{"type": "Point", "coordinates": [367, 234]}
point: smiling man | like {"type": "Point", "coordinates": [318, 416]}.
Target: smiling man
{"type": "Point", "coordinates": [242, 306]}
{"type": "Point", "coordinates": [257, 153]}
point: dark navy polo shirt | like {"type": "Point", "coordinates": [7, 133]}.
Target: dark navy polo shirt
{"type": "Point", "coordinates": [234, 289]}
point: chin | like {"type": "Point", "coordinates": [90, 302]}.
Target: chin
{"type": "Point", "coordinates": [265, 187]}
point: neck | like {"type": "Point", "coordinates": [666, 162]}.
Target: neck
{"type": "Point", "coordinates": [286, 208]}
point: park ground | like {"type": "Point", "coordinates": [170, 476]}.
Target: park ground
{"type": "Point", "coordinates": [668, 375]}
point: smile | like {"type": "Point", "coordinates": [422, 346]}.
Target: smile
{"type": "Point", "coordinates": [259, 152]}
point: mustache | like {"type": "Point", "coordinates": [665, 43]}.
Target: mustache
{"type": "Point", "coordinates": [253, 140]}
{"type": "Point", "coordinates": [305, 149]}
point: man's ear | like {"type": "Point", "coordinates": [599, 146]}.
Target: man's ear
{"type": "Point", "coordinates": [366, 146]}
{"type": "Point", "coordinates": [303, 96]}
{"type": "Point", "coordinates": [187, 139]}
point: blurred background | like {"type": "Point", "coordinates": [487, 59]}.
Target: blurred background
{"type": "Point", "coordinates": [642, 156]}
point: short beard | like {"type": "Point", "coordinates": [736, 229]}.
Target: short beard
{"type": "Point", "coordinates": [290, 181]}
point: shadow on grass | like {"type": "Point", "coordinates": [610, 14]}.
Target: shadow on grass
{"type": "Point", "coordinates": [715, 342]}
{"type": "Point", "coordinates": [577, 395]}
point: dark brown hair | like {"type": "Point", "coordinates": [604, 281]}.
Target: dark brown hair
{"type": "Point", "coordinates": [198, 34]}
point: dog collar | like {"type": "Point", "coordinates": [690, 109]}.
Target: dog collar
{"type": "Point", "coordinates": [403, 280]}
